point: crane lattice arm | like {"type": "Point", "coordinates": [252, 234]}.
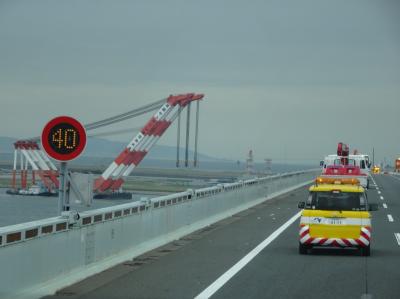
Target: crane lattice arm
{"type": "Point", "coordinates": [113, 177]}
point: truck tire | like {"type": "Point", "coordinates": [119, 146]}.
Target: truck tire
{"type": "Point", "coordinates": [366, 251]}
{"type": "Point", "coordinates": [303, 249]}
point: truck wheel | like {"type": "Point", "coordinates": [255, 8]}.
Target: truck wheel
{"type": "Point", "coordinates": [366, 251]}
{"type": "Point", "coordinates": [302, 249]}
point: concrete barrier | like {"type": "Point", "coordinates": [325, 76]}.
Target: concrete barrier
{"type": "Point", "coordinates": [38, 258]}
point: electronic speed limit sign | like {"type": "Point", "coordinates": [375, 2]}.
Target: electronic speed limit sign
{"type": "Point", "coordinates": [64, 138]}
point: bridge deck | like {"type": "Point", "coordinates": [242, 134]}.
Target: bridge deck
{"type": "Point", "coordinates": [183, 269]}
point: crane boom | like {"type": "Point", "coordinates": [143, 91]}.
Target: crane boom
{"type": "Point", "coordinates": [343, 152]}
{"type": "Point", "coordinates": [113, 177]}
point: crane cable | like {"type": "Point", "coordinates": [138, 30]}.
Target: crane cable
{"type": "Point", "coordinates": [115, 132]}
{"type": "Point", "coordinates": [125, 116]}
{"type": "Point", "coordinates": [118, 118]}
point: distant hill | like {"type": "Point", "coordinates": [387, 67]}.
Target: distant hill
{"type": "Point", "coordinates": [103, 148]}
{"type": "Point", "coordinates": [101, 152]}
{"type": "Point", "coordinates": [97, 147]}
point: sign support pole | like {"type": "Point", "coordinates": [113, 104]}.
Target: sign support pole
{"type": "Point", "coordinates": [62, 187]}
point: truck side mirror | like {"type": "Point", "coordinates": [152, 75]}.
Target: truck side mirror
{"type": "Point", "coordinates": [373, 207]}
{"type": "Point", "coordinates": [301, 205]}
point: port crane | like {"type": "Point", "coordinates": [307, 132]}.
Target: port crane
{"type": "Point", "coordinates": [28, 152]}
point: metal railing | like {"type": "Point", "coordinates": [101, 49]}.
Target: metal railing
{"type": "Point", "coordinates": [62, 250]}
{"type": "Point", "coordinates": [36, 229]}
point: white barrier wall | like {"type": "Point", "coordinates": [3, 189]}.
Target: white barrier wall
{"type": "Point", "coordinates": [38, 258]}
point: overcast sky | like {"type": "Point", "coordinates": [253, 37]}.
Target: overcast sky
{"type": "Point", "coordinates": [288, 79]}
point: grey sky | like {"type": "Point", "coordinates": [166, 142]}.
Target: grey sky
{"type": "Point", "coordinates": [288, 79]}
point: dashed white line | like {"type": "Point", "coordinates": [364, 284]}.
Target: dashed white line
{"type": "Point", "coordinates": [382, 198]}
{"type": "Point", "coordinates": [379, 192]}
{"type": "Point", "coordinates": [224, 278]}
{"type": "Point", "coordinates": [397, 236]}
{"type": "Point", "coordinates": [385, 206]}
{"type": "Point", "coordinates": [390, 218]}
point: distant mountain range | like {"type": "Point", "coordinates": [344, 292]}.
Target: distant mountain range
{"type": "Point", "coordinates": [103, 148]}
{"type": "Point", "coordinates": [101, 152]}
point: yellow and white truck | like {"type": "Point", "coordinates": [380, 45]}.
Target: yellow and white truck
{"type": "Point", "coordinates": [336, 214]}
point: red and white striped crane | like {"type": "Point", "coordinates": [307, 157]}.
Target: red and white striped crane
{"type": "Point", "coordinates": [113, 177]}
{"type": "Point", "coordinates": [30, 154]}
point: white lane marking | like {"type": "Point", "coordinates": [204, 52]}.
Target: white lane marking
{"type": "Point", "coordinates": [390, 218]}
{"type": "Point", "coordinates": [382, 198]}
{"type": "Point", "coordinates": [397, 235]}
{"type": "Point", "coordinates": [379, 192]}
{"type": "Point", "coordinates": [224, 278]}
{"type": "Point", "coordinates": [385, 206]}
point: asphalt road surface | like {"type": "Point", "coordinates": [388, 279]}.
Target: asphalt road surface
{"type": "Point", "coordinates": [205, 264]}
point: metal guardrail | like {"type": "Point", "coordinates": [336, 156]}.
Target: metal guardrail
{"type": "Point", "coordinates": [23, 232]}
{"type": "Point", "coordinates": [63, 250]}
{"type": "Point", "coordinates": [36, 229]}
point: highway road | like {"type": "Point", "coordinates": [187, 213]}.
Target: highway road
{"type": "Point", "coordinates": [255, 255]}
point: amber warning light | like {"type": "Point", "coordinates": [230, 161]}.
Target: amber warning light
{"type": "Point", "coordinates": [64, 138]}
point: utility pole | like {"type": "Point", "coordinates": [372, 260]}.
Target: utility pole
{"type": "Point", "coordinates": [373, 157]}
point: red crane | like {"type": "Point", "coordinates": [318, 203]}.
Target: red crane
{"type": "Point", "coordinates": [343, 152]}
{"type": "Point", "coordinates": [113, 177]}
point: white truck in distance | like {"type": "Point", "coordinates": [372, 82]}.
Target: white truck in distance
{"type": "Point", "coordinates": [361, 161]}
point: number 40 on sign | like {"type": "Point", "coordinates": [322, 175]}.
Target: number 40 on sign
{"type": "Point", "coordinates": [64, 138]}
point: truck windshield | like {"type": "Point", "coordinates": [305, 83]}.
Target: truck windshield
{"type": "Point", "coordinates": [352, 162]}
{"type": "Point", "coordinates": [337, 201]}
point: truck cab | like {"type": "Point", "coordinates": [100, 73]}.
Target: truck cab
{"type": "Point", "coordinates": [361, 161]}
{"type": "Point", "coordinates": [376, 169]}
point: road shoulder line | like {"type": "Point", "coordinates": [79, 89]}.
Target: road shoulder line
{"type": "Point", "coordinates": [224, 278]}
